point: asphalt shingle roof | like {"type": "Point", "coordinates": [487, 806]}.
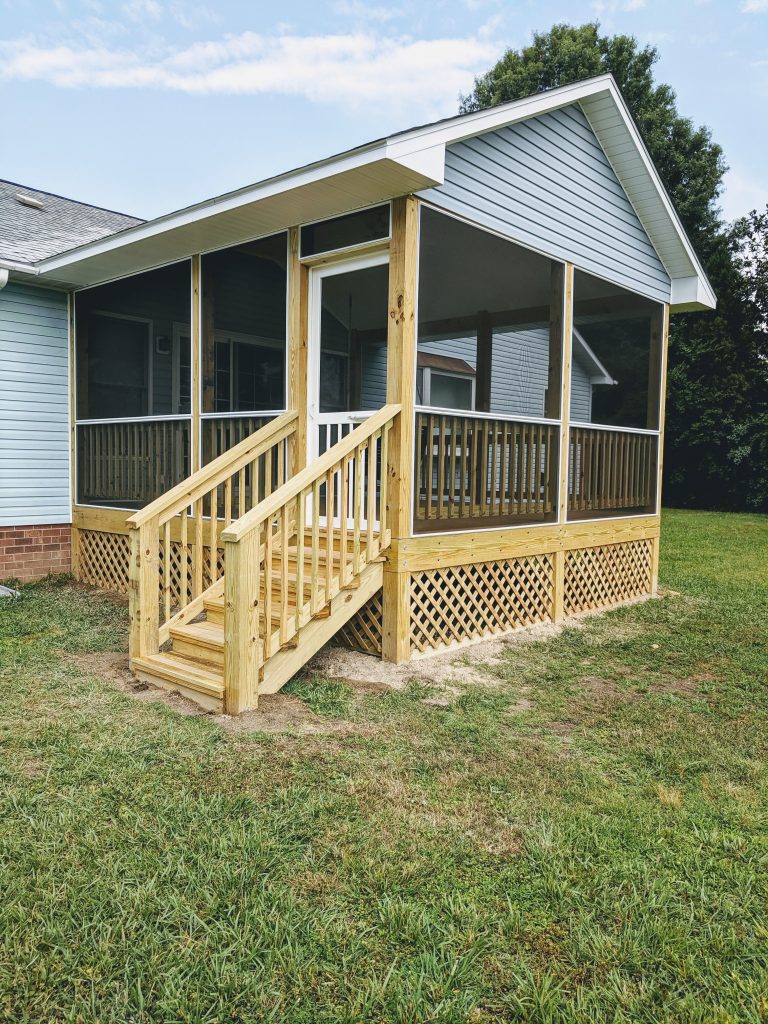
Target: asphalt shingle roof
{"type": "Point", "coordinates": [29, 234]}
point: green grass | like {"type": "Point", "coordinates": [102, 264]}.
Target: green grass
{"type": "Point", "coordinates": [584, 839]}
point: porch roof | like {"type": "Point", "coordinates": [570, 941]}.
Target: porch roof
{"type": "Point", "coordinates": [406, 162]}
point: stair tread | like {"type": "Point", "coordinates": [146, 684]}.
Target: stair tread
{"type": "Point", "coordinates": [183, 670]}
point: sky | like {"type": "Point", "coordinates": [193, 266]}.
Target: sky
{"type": "Point", "coordinates": [146, 106]}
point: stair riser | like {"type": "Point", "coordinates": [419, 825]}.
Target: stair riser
{"type": "Point", "coordinates": [205, 654]}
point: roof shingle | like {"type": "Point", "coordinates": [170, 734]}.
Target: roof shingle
{"type": "Point", "coordinates": [29, 234]}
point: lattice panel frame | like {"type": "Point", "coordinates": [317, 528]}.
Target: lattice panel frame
{"type": "Point", "coordinates": [469, 602]}
{"type": "Point", "coordinates": [363, 632]}
{"type": "Point", "coordinates": [104, 560]}
{"type": "Point", "coordinates": [606, 575]}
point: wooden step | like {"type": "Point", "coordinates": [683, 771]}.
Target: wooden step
{"type": "Point", "coordinates": [214, 612]}
{"type": "Point", "coordinates": [201, 642]}
{"type": "Point", "coordinates": [201, 683]}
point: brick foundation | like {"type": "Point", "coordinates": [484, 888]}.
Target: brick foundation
{"type": "Point", "coordinates": [31, 552]}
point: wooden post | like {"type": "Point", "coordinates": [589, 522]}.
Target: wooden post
{"type": "Point", "coordinates": [144, 590]}
{"type": "Point", "coordinates": [195, 460]}
{"type": "Point", "coordinates": [241, 623]}
{"type": "Point", "coordinates": [484, 362]}
{"type": "Point", "coordinates": [662, 392]}
{"type": "Point", "coordinates": [401, 386]}
{"type": "Point", "coordinates": [298, 322]}
{"type": "Point", "coordinates": [565, 303]}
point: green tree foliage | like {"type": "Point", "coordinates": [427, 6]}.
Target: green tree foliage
{"type": "Point", "coordinates": [716, 424]}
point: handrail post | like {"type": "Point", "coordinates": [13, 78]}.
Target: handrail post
{"type": "Point", "coordinates": [241, 623]}
{"type": "Point", "coordinates": [144, 589]}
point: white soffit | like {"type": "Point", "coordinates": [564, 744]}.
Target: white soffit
{"type": "Point", "coordinates": [410, 161]}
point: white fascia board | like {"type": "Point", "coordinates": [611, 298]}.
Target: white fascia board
{"type": "Point", "coordinates": [690, 295]}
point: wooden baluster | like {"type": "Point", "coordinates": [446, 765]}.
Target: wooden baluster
{"type": "Point", "coordinates": [284, 539]}
{"type": "Point", "coordinates": [315, 595]}
{"type": "Point", "coordinates": [267, 473]}
{"type": "Point", "coordinates": [184, 561]}
{"type": "Point", "coordinates": [227, 501]}
{"type": "Point", "coordinates": [213, 549]}
{"type": "Point", "coordinates": [329, 532]}
{"type": "Point", "coordinates": [357, 512]}
{"type": "Point", "coordinates": [343, 517]}
{"type": "Point", "coordinates": [197, 561]}
{"type": "Point", "coordinates": [167, 569]}
{"type": "Point", "coordinates": [241, 493]}
{"type": "Point", "coordinates": [383, 486]}
{"type": "Point", "coordinates": [300, 527]}
{"type": "Point", "coordinates": [482, 494]}
{"type": "Point", "coordinates": [442, 426]}
{"type": "Point", "coordinates": [267, 587]}
{"type": "Point", "coordinates": [371, 507]}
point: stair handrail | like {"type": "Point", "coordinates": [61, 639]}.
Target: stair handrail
{"type": "Point", "coordinates": [150, 573]}
{"type": "Point", "coordinates": [167, 505]}
{"type": "Point", "coordinates": [307, 476]}
{"type": "Point", "coordinates": [257, 591]}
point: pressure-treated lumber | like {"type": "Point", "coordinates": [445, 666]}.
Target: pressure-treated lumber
{"type": "Point", "coordinates": [401, 387]}
{"type": "Point", "coordinates": [298, 342]}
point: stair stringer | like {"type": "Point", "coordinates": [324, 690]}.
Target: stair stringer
{"type": "Point", "coordinates": [283, 665]}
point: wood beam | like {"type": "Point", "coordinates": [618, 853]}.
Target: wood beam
{"type": "Point", "coordinates": [401, 386]}
{"type": "Point", "coordinates": [298, 325]}
{"type": "Point", "coordinates": [663, 362]}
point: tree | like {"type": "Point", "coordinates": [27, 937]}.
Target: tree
{"type": "Point", "coordinates": [716, 424]}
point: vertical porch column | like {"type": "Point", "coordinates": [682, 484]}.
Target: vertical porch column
{"type": "Point", "coordinates": [562, 305]}
{"type": "Point", "coordinates": [195, 458]}
{"type": "Point", "coordinates": [401, 387]}
{"type": "Point", "coordinates": [298, 320]}
{"type": "Point", "coordinates": [484, 362]}
{"type": "Point", "coordinates": [657, 395]}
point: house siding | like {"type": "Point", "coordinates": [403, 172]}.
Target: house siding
{"type": "Point", "coordinates": [520, 372]}
{"type": "Point", "coordinates": [547, 183]}
{"type": "Point", "coordinates": [34, 407]}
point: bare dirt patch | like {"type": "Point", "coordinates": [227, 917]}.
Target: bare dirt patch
{"type": "Point", "coordinates": [450, 672]}
{"type": "Point", "coordinates": [277, 713]}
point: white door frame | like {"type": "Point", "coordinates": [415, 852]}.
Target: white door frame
{"type": "Point", "coordinates": [314, 417]}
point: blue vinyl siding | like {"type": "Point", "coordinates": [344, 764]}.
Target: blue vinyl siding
{"type": "Point", "coordinates": [547, 183]}
{"type": "Point", "coordinates": [34, 407]}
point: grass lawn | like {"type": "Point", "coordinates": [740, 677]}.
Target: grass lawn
{"type": "Point", "coordinates": [584, 838]}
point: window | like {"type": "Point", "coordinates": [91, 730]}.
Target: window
{"type": "Point", "coordinates": [343, 232]}
{"type": "Point", "coordinates": [484, 314]}
{"type": "Point", "coordinates": [244, 327]}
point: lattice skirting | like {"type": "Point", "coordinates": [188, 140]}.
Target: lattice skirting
{"type": "Point", "coordinates": [363, 631]}
{"type": "Point", "coordinates": [468, 602]}
{"type": "Point", "coordinates": [103, 560]}
{"type": "Point", "coordinates": [599, 577]}
{"type": "Point", "coordinates": [104, 556]}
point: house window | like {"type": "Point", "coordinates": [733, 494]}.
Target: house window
{"type": "Point", "coordinates": [444, 382]}
{"type": "Point", "coordinates": [248, 374]}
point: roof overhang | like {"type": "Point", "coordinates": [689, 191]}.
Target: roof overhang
{"type": "Point", "coordinates": [410, 161]}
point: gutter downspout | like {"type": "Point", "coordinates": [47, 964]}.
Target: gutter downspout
{"type": "Point", "coordinates": [3, 277]}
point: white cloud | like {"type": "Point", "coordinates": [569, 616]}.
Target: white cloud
{"type": "Point", "coordinates": [754, 6]}
{"type": "Point", "coordinates": [742, 194]}
{"type": "Point", "coordinates": [601, 7]}
{"type": "Point", "coordinates": [362, 11]}
{"type": "Point", "coordinates": [350, 69]}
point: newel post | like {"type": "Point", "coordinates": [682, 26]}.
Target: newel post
{"type": "Point", "coordinates": [144, 590]}
{"type": "Point", "coordinates": [242, 655]}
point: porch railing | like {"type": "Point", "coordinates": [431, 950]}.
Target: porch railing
{"type": "Point", "coordinates": [176, 540]}
{"type": "Point", "coordinates": [611, 471]}
{"type": "Point", "coordinates": [221, 433]}
{"type": "Point", "coordinates": [291, 555]}
{"type": "Point", "coordinates": [483, 470]}
{"type": "Point", "coordinates": [129, 464]}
